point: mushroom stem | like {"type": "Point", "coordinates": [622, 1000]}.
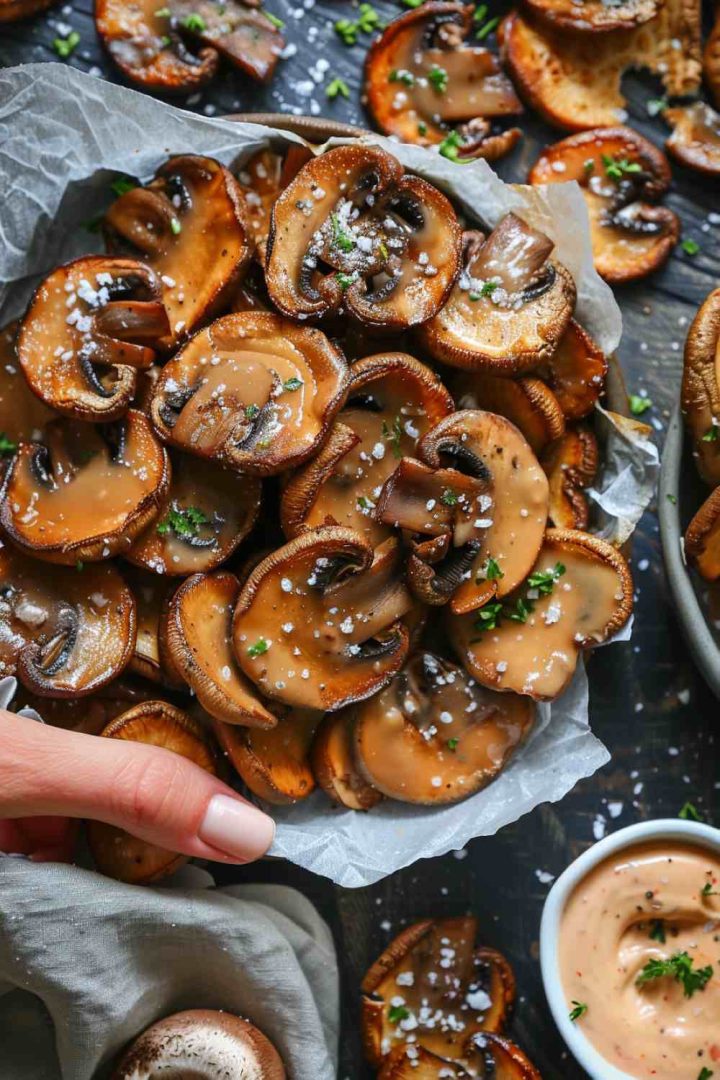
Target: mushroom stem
{"type": "Point", "coordinates": [512, 255]}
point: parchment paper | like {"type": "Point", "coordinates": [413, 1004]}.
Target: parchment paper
{"type": "Point", "coordinates": [63, 135]}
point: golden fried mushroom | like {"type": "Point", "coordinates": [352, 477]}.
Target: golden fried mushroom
{"type": "Point", "coordinates": [152, 593]}
{"type": "Point", "coordinates": [702, 539]}
{"type": "Point", "coordinates": [527, 402]}
{"type": "Point", "coordinates": [571, 464]}
{"type": "Point", "coordinates": [575, 372]}
{"type": "Point", "coordinates": [695, 139]}
{"type": "Point", "coordinates": [700, 394]}
{"type": "Point", "coordinates": [262, 179]}
{"type": "Point", "coordinates": [334, 765]}
{"type": "Point", "coordinates": [592, 16]}
{"type": "Point", "coordinates": [274, 762]}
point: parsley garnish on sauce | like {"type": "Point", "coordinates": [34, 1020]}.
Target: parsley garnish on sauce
{"type": "Point", "coordinates": [438, 78]}
{"type": "Point", "coordinates": [617, 168]}
{"type": "Point", "coordinates": [541, 581]}
{"type": "Point", "coordinates": [657, 931]}
{"type": "Point", "coordinates": [396, 1013]}
{"type": "Point", "coordinates": [292, 384]}
{"type": "Point", "coordinates": [7, 446]}
{"type": "Point", "coordinates": [707, 890]}
{"type": "Point", "coordinates": [452, 744]}
{"type": "Point", "coordinates": [341, 239]}
{"type": "Point", "coordinates": [491, 571]}
{"type": "Point", "coordinates": [405, 77]}
{"type": "Point", "coordinates": [705, 1073]}
{"type": "Point", "coordinates": [579, 1009]}
{"type": "Point", "coordinates": [251, 411]}
{"type": "Point", "coordinates": [345, 280]}
{"type": "Point", "coordinates": [184, 521]}
{"type": "Point", "coordinates": [712, 433]}
{"type": "Point", "coordinates": [261, 646]}
{"type": "Point", "coordinates": [194, 22]}
{"type": "Point", "coordinates": [680, 968]}
{"type": "Point", "coordinates": [394, 435]}
{"type": "Point", "coordinates": [449, 498]}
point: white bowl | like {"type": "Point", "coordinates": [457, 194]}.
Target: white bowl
{"type": "Point", "coordinates": [674, 829]}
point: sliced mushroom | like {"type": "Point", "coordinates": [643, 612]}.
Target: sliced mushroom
{"type": "Point", "coordinates": [424, 80]}
{"type": "Point", "coordinates": [711, 61]}
{"type": "Point", "coordinates": [240, 31]}
{"type": "Point", "coordinates": [318, 624]}
{"type": "Point", "coordinates": [262, 179]}
{"type": "Point", "coordinates": [392, 401]}
{"type": "Point", "coordinates": [410, 1062]}
{"type": "Point", "coordinates": [433, 736]}
{"type": "Point", "coordinates": [206, 513]}
{"type": "Point", "coordinates": [700, 393]}
{"type": "Point", "coordinates": [578, 595]}
{"type": "Point", "coordinates": [64, 633]}
{"type": "Point", "coordinates": [489, 447]}
{"type": "Point", "coordinates": [12, 10]}
{"type": "Point", "coordinates": [196, 634]}
{"type": "Point", "coordinates": [574, 80]}
{"type": "Point", "coordinates": [622, 176]}
{"type": "Point", "coordinates": [702, 539]}
{"type": "Point", "coordinates": [352, 231]}
{"type": "Point", "coordinates": [190, 225]}
{"type": "Point", "coordinates": [333, 763]}
{"type": "Point", "coordinates": [593, 16]}
{"type": "Point", "coordinates": [151, 593]}
{"type": "Point", "coordinates": [509, 307]}
{"type": "Point", "coordinates": [571, 464]}
{"type": "Point", "coordinates": [252, 391]}
{"type": "Point", "coordinates": [114, 851]}
{"type": "Point", "coordinates": [695, 139]}
{"type": "Point", "coordinates": [204, 1044]}
{"type": "Point", "coordinates": [575, 372]}
{"type": "Point", "coordinates": [493, 1057]}
{"type": "Point", "coordinates": [22, 414]}
{"type": "Point", "coordinates": [529, 403]}
{"type": "Point", "coordinates": [433, 989]}
{"type": "Point", "coordinates": [274, 763]}
{"type": "Point", "coordinates": [120, 470]}
{"type": "Point", "coordinates": [89, 327]}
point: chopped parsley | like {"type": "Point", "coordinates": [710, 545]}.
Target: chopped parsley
{"type": "Point", "coordinates": [487, 289]}
{"type": "Point", "coordinates": [394, 434]}
{"type": "Point", "coordinates": [65, 47]}
{"type": "Point", "coordinates": [184, 521]}
{"type": "Point", "coordinates": [655, 106]}
{"type": "Point", "coordinates": [194, 22]}
{"type": "Point", "coordinates": [79, 566]}
{"type": "Point", "coordinates": [541, 581]}
{"type": "Point", "coordinates": [273, 19]}
{"type": "Point", "coordinates": [363, 503]}
{"type": "Point", "coordinates": [639, 405]}
{"type": "Point", "coordinates": [450, 147]}
{"type": "Point", "coordinates": [165, 41]}
{"type": "Point", "coordinates": [688, 812]}
{"type": "Point", "coordinates": [396, 1013]}
{"type": "Point", "coordinates": [422, 128]}
{"type": "Point", "coordinates": [413, 3]}
{"type": "Point", "coordinates": [680, 968]}
{"type": "Point", "coordinates": [690, 247]}
{"type": "Point", "coordinates": [544, 580]}
{"type": "Point", "coordinates": [251, 411]}
{"type": "Point", "coordinates": [449, 498]}
{"type": "Point", "coordinates": [705, 1073]}
{"type": "Point", "coordinates": [487, 29]}
{"type": "Point", "coordinates": [122, 185]}
{"type": "Point", "coordinates": [617, 168]}
{"type": "Point", "coordinates": [261, 646]}
{"type": "Point", "coordinates": [175, 226]}
{"type": "Point", "coordinates": [523, 608]}
{"type": "Point", "coordinates": [492, 570]}
{"type": "Point", "coordinates": [337, 88]}
{"type": "Point", "coordinates": [707, 890]}
{"type": "Point", "coordinates": [657, 931]}
{"type": "Point", "coordinates": [292, 384]}
{"type": "Point", "coordinates": [438, 78]}
{"type": "Point", "coordinates": [405, 77]}
{"type": "Point", "coordinates": [488, 617]}
{"type": "Point", "coordinates": [163, 12]}
{"type": "Point", "coordinates": [345, 280]}
{"type": "Point", "coordinates": [579, 1009]}
{"type": "Point", "coordinates": [384, 253]}
{"type": "Point", "coordinates": [671, 498]}
{"type": "Point", "coordinates": [7, 446]}
{"type": "Point", "coordinates": [712, 434]}
{"type": "Point", "coordinates": [341, 239]}
{"type": "Point", "coordinates": [368, 20]}
{"type": "Point", "coordinates": [452, 744]}
{"type": "Point", "coordinates": [589, 165]}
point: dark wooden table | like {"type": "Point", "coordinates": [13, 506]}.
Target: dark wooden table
{"type": "Point", "coordinates": [648, 703]}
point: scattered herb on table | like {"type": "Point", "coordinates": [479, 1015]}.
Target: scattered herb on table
{"type": "Point", "coordinates": [638, 404]}
{"type": "Point", "coordinates": [690, 247]}
{"type": "Point", "coordinates": [65, 47]}
{"type": "Point", "coordinates": [279, 23]}
{"type": "Point", "coordinates": [337, 88]}
{"type": "Point", "coordinates": [194, 22]}
{"type": "Point", "coordinates": [688, 812]}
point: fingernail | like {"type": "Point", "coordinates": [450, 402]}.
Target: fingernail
{"type": "Point", "coordinates": [236, 828]}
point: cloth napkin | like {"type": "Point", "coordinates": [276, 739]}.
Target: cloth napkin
{"type": "Point", "coordinates": [86, 964]}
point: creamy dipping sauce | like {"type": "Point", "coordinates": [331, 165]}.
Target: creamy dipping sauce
{"type": "Point", "coordinates": [613, 924]}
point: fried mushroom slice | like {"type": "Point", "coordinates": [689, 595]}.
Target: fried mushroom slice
{"type": "Point", "coordinates": [115, 852]}
{"type": "Point", "coordinates": [702, 539]}
{"type": "Point", "coordinates": [262, 179]}
{"type": "Point", "coordinates": [700, 394]}
{"type": "Point", "coordinates": [12, 10]}
{"type": "Point", "coordinates": [22, 414]}
{"type": "Point", "coordinates": [202, 1043]}
{"type": "Point", "coordinates": [410, 1062]}
{"type": "Point", "coordinates": [353, 231]}
{"type": "Point", "coordinates": [575, 372]}
{"type": "Point", "coordinates": [711, 61]}
{"type": "Point", "coordinates": [578, 595]}
{"type": "Point", "coordinates": [622, 176]}
{"type": "Point", "coordinates": [493, 1057]}
{"type": "Point", "coordinates": [593, 16]}
{"type": "Point", "coordinates": [334, 766]}
{"type": "Point", "coordinates": [574, 81]}
{"type": "Point", "coordinates": [274, 763]}
{"type": "Point", "coordinates": [190, 225]}
{"type": "Point", "coordinates": [240, 31]}
{"type": "Point", "coordinates": [571, 465]}
{"type": "Point", "coordinates": [433, 989]}
{"type": "Point", "coordinates": [490, 448]}
{"type": "Point", "coordinates": [89, 327]}
{"type": "Point", "coordinates": [424, 80]}
{"type": "Point", "coordinates": [509, 307]}
{"type": "Point", "coordinates": [63, 633]}
{"type": "Point", "coordinates": [528, 402]}
{"type": "Point", "coordinates": [253, 392]}
{"type": "Point", "coordinates": [433, 736]}
{"type": "Point", "coordinates": [393, 400]}
{"type": "Point", "coordinates": [151, 593]}
{"type": "Point", "coordinates": [695, 139]}
{"type": "Point", "coordinates": [196, 634]}
{"type": "Point", "coordinates": [121, 470]}
{"type": "Point", "coordinates": [205, 514]}
{"type": "Point", "coordinates": [318, 623]}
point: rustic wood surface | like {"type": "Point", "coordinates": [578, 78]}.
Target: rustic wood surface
{"type": "Point", "coordinates": [648, 703]}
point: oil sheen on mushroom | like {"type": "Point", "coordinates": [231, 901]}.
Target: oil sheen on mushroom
{"type": "Point", "coordinates": [695, 139]}
{"type": "Point", "coordinates": [274, 763]}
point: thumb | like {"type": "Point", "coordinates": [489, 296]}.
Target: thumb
{"type": "Point", "coordinates": [156, 795]}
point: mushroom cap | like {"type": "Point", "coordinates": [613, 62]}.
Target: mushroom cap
{"type": "Point", "coordinates": [274, 763]}
{"type": "Point", "coordinates": [592, 16]}
{"type": "Point", "coordinates": [493, 1057]}
{"type": "Point", "coordinates": [205, 1044]}
{"type": "Point", "coordinates": [12, 10]}
{"type": "Point", "coordinates": [22, 414]}
{"type": "Point", "coordinates": [579, 595]}
{"type": "Point", "coordinates": [700, 394]}
{"type": "Point", "coordinates": [630, 236]}
{"type": "Point", "coordinates": [695, 139]}
{"type": "Point", "coordinates": [485, 444]}
{"type": "Point", "coordinates": [528, 402]}
{"type": "Point", "coordinates": [156, 723]}
{"type": "Point", "coordinates": [196, 636]}
{"type": "Point", "coordinates": [99, 311]}
{"type": "Point", "coordinates": [571, 464]}
{"type": "Point", "coordinates": [318, 622]}
{"type": "Point", "coordinates": [262, 178]}
{"type": "Point", "coordinates": [711, 61]}
{"type": "Point", "coordinates": [137, 39]}
{"type": "Point", "coordinates": [410, 1062]}
{"type": "Point", "coordinates": [206, 513]}
{"type": "Point", "coordinates": [509, 307]}
{"type": "Point", "coordinates": [190, 224]}
{"type": "Point", "coordinates": [576, 372]}
{"type": "Point", "coordinates": [63, 633]}
{"type": "Point", "coordinates": [702, 539]}
{"type": "Point", "coordinates": [352, 230]}
{"type": "Point", "coordinates": [392, 401]}
{"type": "Point", "coordinates": [574, 80]}
{"type": "Point", "coordinates": [119, 469]}
{"type": "Point", "coordinates": [334, 766]}
{"type": "Point", "coordinates": [403, 101]}
{"type": "Point", "coordinates": [241, 32]}
{"type": "Point", "coordinates": [434, 736]}
{"type": "Point", "coordinates": [252, 391]}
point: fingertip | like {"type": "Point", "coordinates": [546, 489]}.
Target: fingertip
{"type": "Point", "coordinates": [236, 828]}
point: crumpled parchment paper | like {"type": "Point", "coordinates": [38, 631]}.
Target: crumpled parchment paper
{"type": "Point", "coordinates": [63, 135]}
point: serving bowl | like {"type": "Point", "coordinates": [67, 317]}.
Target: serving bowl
{"type": "Point", "coordinates": [670, 829]}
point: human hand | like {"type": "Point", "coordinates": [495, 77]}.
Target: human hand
{"type": "Point", "coordinates": [49, 777]}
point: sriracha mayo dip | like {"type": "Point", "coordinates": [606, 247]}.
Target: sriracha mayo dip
{"type": "Point", "coordinates": [639, 960]}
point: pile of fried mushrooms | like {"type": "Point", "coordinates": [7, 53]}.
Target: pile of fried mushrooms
{"type": "Point", "coordinates": [297, 470]}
